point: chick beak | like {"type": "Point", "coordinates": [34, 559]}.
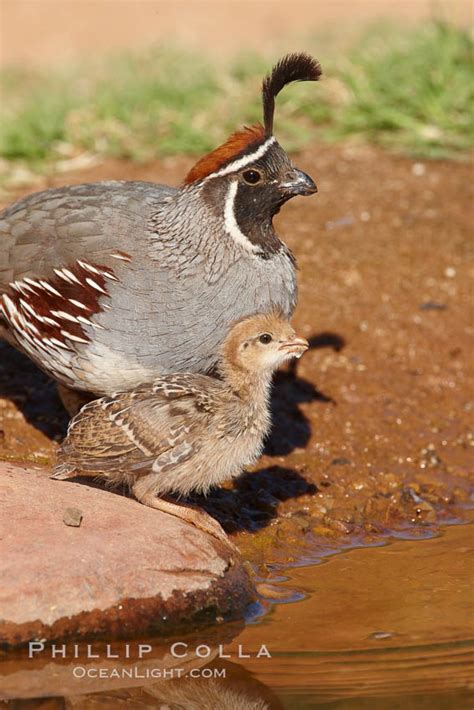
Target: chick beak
{"type": "Point", "coordinates": [298, 183]}
{"type": "Point", "coordinates": [296, 347]}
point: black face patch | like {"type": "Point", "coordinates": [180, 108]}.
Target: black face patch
{"type": "Point", "coordinates": [256, 203]}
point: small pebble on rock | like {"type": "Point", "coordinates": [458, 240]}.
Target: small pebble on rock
{"type": "Point", "coordinates": [72, 517]}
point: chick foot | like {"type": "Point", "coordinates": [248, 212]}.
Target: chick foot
{"type": "Point", "coordinates": [198, 518]}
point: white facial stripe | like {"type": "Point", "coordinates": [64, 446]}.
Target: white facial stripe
{"type": "Point", "coordinates": [231, 223]}
{"type": "Point", "coordinates": [246, 160]}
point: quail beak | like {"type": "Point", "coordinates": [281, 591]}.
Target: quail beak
{"type": "Point", "coordinates": [298, 183]}
{"type": "Point", "coordinates": [295, 347]}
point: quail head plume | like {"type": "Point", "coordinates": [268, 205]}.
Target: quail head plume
{"type": "Point", "coordinates": [185, 432]}
{"type": "Point", "coordinates": [110, 284]}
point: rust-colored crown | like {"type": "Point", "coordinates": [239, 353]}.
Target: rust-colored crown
{"type": "Point", "coordinates": [249, 138]}
{"type": "Point", "coordinates": [292, 67]}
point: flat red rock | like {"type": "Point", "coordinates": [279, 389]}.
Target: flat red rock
{"type": "Point", "coordinates": [126, 570]}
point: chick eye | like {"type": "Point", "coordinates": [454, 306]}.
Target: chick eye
{"type": "Point", "coordinates": [265, 338]}
{"type": "Point", "coordinates": [252, 176]}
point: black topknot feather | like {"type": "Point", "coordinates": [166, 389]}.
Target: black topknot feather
{"type": "Point", "coordinates": [294, 67]}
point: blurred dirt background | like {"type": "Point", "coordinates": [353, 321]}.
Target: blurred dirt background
{"type": "Point", "coordinates": [371, 429]}
{"type": "Point", "coordinates": [51, 31]}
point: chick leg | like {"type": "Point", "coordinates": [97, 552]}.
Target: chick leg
{"type": "Point", "coordinates": [198, 518]}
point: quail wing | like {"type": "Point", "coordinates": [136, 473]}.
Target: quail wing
{"type": "Point", "coordinates": [163, 423]}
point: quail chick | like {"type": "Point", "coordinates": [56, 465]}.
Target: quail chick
{"type": "Point", "coordinates": [185, 432]}
{"type": "Point", "coordinates": [98, 282]}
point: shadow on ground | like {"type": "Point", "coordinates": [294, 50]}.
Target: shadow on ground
{"type": "Point", "coordinates": [34, 395]}
{"type": "Point", "coordinates": [291, 429]}
{"type": "Point", "coordinates": [253, 501]}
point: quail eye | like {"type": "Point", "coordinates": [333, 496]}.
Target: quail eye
{"type": "Point", "coordinates": [265, 338]}
{"type": "Point", "coordinates": [252, 176]}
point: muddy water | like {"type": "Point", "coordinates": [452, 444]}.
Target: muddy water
{"type": "Point", "coordinates": [389, 627]}
{"type": "Point", "coordinates": [392, 622]}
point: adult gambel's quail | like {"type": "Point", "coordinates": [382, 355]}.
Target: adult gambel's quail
{"type": "Point", "coordinates": [185, 432]}
{"type": "Point", "coordinates": [108, 285]}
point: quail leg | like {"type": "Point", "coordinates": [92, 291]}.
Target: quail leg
{"type": "Point", "coordinates": [198, 518]}
{"type": "Point", "coordinates": [73, 400]}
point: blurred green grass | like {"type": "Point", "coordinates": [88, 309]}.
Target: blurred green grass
{"type": "Point", "coordinates": [410, 91]}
